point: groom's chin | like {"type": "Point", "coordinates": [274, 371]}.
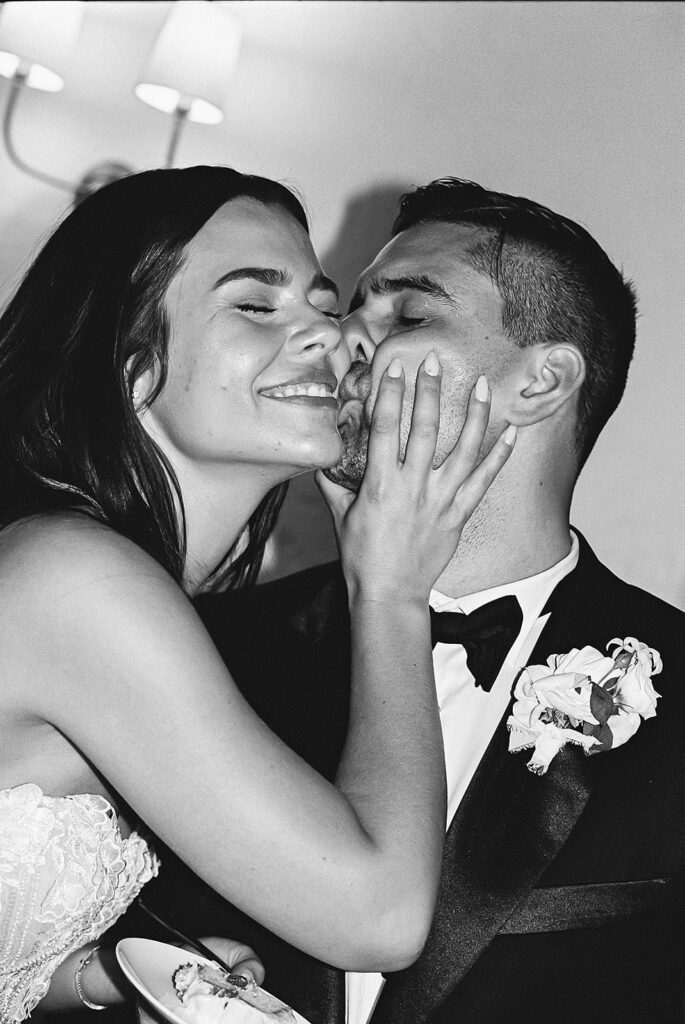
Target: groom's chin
{"type": "Point", "coordinates": [349, 471]}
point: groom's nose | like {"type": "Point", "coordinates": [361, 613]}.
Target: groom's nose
{"type": "Point", "coordinates": [358, 338]}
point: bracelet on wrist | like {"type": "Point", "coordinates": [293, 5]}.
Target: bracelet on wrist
{"type": "Point", "coordinates": [78, 980]}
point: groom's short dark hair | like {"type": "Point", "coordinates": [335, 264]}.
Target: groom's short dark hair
{"type": "Point", "coordinates": [556, 283]}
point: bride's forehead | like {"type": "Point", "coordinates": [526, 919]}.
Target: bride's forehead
{"type": "Point", "coordinates": [246, 227]}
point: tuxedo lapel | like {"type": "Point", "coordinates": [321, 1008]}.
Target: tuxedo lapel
{"type": "Point", "coordinates": [507, 829]}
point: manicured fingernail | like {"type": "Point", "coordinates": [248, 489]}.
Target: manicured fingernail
{"type": "Point", "coordinates": [431, 364]}
{"type": "Point", "coordinates": [395, 368]}
{"type": "Point", "coordinates": [482, 389]}
{"type": "Point", "coordinates": [509, 435]}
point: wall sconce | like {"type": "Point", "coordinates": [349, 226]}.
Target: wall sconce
{"type": "Point", "coordinates": [36, 40]}
{"type": "Point", "coordinates": [185, 74]}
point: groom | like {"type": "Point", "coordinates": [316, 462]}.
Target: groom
{"type": "Point", "coordinates": [562, 889]}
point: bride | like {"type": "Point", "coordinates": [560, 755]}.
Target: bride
{"type": "Point", "coordinates": [168, 363]}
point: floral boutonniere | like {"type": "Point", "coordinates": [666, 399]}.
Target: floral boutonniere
{"type": "Point", "coordinates": [583, 697]}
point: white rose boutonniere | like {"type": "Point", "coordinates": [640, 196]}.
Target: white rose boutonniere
{"type": "Point", "coordinates": [594, 700]}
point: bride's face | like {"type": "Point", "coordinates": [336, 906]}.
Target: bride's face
{"type": "Point", "coordinates": [255, 352]}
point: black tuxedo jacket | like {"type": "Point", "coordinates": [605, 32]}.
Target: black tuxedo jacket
{"type": "Point", "coordinates": [562, 895]}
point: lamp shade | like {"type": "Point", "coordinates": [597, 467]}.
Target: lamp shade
{"type": "Point", "coordinates": [37, 40]}
{"type": "Point", "coordinates": [191, 61]}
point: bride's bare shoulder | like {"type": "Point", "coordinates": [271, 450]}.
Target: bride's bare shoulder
{"type": "Point", "coordinates": [56, 551]}
{"type": "Point", "coordinates": [72, 587]}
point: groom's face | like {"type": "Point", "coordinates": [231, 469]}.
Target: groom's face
{"type": "Point", "coordinates": [422, 293]}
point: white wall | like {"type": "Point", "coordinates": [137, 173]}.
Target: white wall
{"type": "Point", "coordinates": [579, 106]}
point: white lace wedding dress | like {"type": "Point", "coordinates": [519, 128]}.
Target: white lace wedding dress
{"type": "Point", "coordinates": [66, 875]}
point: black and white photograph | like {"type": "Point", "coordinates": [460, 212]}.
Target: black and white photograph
{"type": "Point", "coordinates": [342, 512]}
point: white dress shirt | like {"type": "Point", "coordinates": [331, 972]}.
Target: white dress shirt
{"type": "Point", "coordinates": [468, 714]}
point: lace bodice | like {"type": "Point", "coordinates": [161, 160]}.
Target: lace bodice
{"type": "Point", "coordinates": [66, 875]}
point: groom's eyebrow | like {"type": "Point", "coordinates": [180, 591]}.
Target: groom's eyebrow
{"type": "Point", "coordinates": [276, 278]}
{"type": "Point", "coordinates": [405, 282]}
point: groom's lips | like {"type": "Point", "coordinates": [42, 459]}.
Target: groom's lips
{"type": "Point", "coordinates": [357, 382]}
{"type": "Point", "coordinates": [350, 416]}
{"type": "Point", "coordinates": [352, 394]}
{"type": "Point", "coordinates": [354, 386]}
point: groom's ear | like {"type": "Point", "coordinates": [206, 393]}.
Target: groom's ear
{"type": "Point", "coordinates": [550, 376]}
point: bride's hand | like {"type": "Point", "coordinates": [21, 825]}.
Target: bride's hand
{"type": "Point", "coordinates": [102, 983]}
{"type": "Point", "coordinates": [240, 958]}
{"type": "Point", "coordinates": [398, 534]}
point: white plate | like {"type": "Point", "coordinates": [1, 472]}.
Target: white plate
{"type": "Point", "coordinates": [149, 966]}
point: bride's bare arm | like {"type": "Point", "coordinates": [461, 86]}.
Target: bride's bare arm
{"type": "Point", "coordinates": [114, 656]}
{"type": "Point", "coordinates": [103, 645]}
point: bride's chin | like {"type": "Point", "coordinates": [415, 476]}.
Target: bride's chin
{"type": "Point", "coordinates": [334, 458]}
{"type": "Point", "coordinates": [324, 452]}
{"type": "Point", "coordinates": [325, 462]}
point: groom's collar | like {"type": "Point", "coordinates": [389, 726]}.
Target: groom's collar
{"type": "Point", "coordinates": [531, 592]}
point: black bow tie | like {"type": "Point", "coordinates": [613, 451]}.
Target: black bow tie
{"type": "Point", "coordinates": [487, 635]}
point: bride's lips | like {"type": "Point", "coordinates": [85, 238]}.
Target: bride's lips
{"type": "Point", "coordinates": [314, 389]}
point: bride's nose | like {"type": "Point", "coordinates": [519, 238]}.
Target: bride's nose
{"type": "Point", "coordinates": [318, 336]}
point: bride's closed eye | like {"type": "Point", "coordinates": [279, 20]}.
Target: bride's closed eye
{"type": "Point", "coordinates": [262, 308]}
{"type": "Point", "coordinates": [253, 307]}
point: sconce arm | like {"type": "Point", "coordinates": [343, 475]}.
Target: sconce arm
{"type": "Point", "coordinates": [180, 117]}
{"type": "Point", "coordinates": [16, 86]}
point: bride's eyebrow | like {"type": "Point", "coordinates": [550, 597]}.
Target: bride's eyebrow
{"type": "Point", "coordinates": [265, 275]}
{"type": "Point", "coordinates": [275, 278]}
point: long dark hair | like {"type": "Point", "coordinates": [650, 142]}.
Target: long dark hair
{"type": "Point", "coordinates": [90, 306]}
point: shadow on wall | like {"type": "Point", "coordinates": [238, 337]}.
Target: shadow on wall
{"type": "Point", "coordinates": [304, 534]}
{"type": "Point", "coordinates": [364, 230]}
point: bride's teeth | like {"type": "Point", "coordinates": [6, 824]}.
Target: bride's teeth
{"type": "Point", "coordinates": [306, 390]}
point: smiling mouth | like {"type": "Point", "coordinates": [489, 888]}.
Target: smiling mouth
{"type": "Point", "coordinates": [307, 389]}
{"type": "Point", "coordinates": [309, 392]}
